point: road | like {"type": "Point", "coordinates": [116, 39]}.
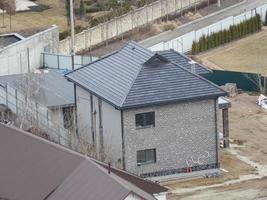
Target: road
{"type": "Point", "coordinates": [203, 22]}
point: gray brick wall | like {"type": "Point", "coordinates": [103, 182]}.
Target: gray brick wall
{"type": "Point", "coordinates": [183, 133]}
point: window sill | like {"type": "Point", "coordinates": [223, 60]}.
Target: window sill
{"type": "Point", "coordinates": [146, 163]}
{"type": "Point", "coordinates": [144, 127]}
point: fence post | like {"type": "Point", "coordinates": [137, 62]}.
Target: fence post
{"type": "Point", "coordinates": [16, 96]}
{"type": "Point", "coordinates": [58, 65]}
{"type": "Point", "coordinates": [36, 111]}
{"type": "Point", "coordinates": [43, 60]}
{"type": "Point", "coordinates": [6, 95]}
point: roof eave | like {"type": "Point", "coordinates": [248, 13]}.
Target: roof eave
{"type": "Point", "coordinates": [93, 93]}
{"type": "Point", "coordinates": [174, 101]}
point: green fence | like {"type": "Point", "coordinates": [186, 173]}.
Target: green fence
{"type": "Point", "coordinates": [244, 81]}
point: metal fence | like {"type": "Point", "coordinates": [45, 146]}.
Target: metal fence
{"type": "Point", "coordinates": [244, 81]}
{"type": "Point", "coordinates": [34, 115]}
{"type": "Point", "coordinates": [57, 61]}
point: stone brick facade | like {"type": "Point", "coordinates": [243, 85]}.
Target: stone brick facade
{"type": "Point", "coordinates": [184, 135]}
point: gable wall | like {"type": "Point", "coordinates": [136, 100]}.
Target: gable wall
{"type": "Point", "coordinates": [111, 121]}
{"type": "Point", "coordinates": [182, 132]}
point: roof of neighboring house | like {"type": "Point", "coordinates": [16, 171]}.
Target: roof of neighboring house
{"type": "Point", "coordinates": [54, 90]}
{"type": "Point", "coordinates": [183, 61]}
{"type": "Point", "coordinates": [7, 39]}
{"type": "Point", "coordinates": [53, 172]}
{"type": "Point", "coordinates": [135, 76]}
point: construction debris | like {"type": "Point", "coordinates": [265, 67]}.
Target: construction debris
{"type": "Point", "coordinates": [262, 101]}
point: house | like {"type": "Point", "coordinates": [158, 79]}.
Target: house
{"type": "Point", "coordinates": [148, 113]}
{"type": "Point", "coordinates": [48, 88]}
{"type": "Point", "coordinates": [35, 169]}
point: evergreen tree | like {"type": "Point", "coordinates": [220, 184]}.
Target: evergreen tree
{"type": "Point", "coordinates": [194, 47]}
{"type": "Point", "coordinates": [68, 10]}
{"type": "Point", "coordinates": [259, 21]}
{"type": "Point", "coordinates": [265, 23]}
{"type": "Point", "coordinates": [82, 9]}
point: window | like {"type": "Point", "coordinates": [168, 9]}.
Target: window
{"type": "Point", "coordinates": [144, 120]}
{"type": "Point", "coordinates": [68, 117]}
{"type": "Point", "coordinates": [146, 156]}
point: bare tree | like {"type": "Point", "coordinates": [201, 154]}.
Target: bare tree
{"type": "Point", "coordinates": [9, 7]}
{"type": "Point", "coordinates": [29, 85]}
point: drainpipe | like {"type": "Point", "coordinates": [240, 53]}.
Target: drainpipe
{"type": "Point", "coordinates": [123, 144]}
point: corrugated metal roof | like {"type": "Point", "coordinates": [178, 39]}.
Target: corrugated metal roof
{"type": "Point", "coordinates": [183, 61]}
{"type": "Point", "coordinates": [35, 169]}
{"type": "Point", "coordinates": [135, 76]}
{"type": "Point", "coordinates": [55, 91]}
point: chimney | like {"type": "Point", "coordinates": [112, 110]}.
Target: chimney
{"type": "Point", "coordinates": [109, 167]}
{"type": "Point", "coordinates": [192, 66]}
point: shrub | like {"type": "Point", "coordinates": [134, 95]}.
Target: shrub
{"type": "Point", "coordinates": [93, 8]}
{"type": "Point", "coordinates": [63, 35]}
{"type": "Point", "coordinates": [167, 27]}
{"type": "Point", "coordinates": [234, 32]}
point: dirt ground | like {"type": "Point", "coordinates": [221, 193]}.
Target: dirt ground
{"type": "Point", "coordinates": [229, 163]}
{"type": "Point", "coordinates": [36, 20]}
{"type": "Point", "coordinates": [245, 55]}
{"type": "Point", "coordinates": [156, 28]}
{"type": "Point", "coordinates": [248, 190]}
{"type": "Point", "coordinates": [248, 122]}
{"type": "Point", "coordinates": [245, 161]}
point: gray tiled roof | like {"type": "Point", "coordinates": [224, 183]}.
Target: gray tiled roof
{"type": "Point", "coordinates": [55, 91]}
{"type": "Point", "coordinates": [134, 76]}
{"type": "Point", "coordinates": [112, 76]}
{"type": "Point", "coordinates": [183, 61]}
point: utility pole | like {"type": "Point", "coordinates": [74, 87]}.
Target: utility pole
{"type": "Point", "coordinates": [219, 3]}
{"type": "Point", "coordinates": [72, 51]}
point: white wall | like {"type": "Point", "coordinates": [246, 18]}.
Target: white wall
{"type": "Point", "coordinates": [183, 44]}
{"type": "Point", "coordinates": [133, 196]}
{"type": "Point", "coordinates": [111, 120]}
{"type": "Point", "coordinates": [14, 58]}
{"type": "Point", "coordinates": [161, 196]}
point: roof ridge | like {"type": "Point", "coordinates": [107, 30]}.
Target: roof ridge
{"type": "Point", "coordinates": [101, 58]}
{"type": "Point", "coordinates": [134, 79]}
{"type": "Point", "coordinates": [200, 77]}
{"type": "Point", "coordinates": [123, 171]}
{"type": "Point", "coordinates": [183, 55]}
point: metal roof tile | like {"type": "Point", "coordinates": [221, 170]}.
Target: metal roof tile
{"type": "Point", "coordinates": [135, 76]}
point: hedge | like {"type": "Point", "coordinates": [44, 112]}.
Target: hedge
{"type": "Point", "coordinates": [234, 32]}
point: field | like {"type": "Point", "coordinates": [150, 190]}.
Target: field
{"type": "Point", "coordinates": [246, 55]}
{"type": "Point", "coordinates": [245, 160]}
{"type": "Point", "coordinates": [50, 12]}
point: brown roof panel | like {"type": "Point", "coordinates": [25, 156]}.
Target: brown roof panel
{"type": "Point", "coordinates": [146, 185]}
{"type": "Point", "coordinates": [30, 166]}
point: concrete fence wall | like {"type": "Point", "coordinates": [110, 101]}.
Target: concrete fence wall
{"type": "Point", "coordinates": [25, 55]}
{"type": "Point", "coordinates": [124, 23]}
{"type": "Point", "coordinates": [183, 44]}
